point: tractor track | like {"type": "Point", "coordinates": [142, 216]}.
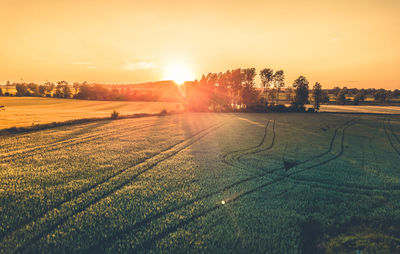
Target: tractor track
{"type": "Point", "coordinates": [255, 151]}
{"type": "Point", "coordinates": [332, 140]}
{"type": "Point", "coordinates": [393, 132]}
{"type": "Point", "coordinates": [163, 234]}
{"type": "Point", "coordinates": [388, 135]}
{"type": "Point", "coordinates": [95, 193]}
{"type": "Point", "coordinates": [234, 157]}
{"type": "Point", "coordinates": [224, 157]}
{"type": "Point", "coordinates": [186, 221]}
{"type": "Point", "coordinates": [245, 193]}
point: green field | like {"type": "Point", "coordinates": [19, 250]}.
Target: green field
{"type": "Point", "coordinates": [26, 111]}
{"type": "Point", "coordinates": [219, 183]}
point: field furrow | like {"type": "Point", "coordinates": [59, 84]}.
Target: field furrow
{"type": "Point", "coordinates": [200, 182]}
{"type": "Point", "coordinates": [34, 230]}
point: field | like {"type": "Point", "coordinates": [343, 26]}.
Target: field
{"type": "Point", "coordinates": [26, 111]}
{"type": "Point", "coordinates": [221, 183]}
{"type": "Point", "coordinates": [361, 109]}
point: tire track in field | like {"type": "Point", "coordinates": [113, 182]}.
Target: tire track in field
{"type": "Point", "coordinates": [230, 157]}
{"type": "Point", "coordinates": [186, 221]}
{"type": "Point", "coordinates": [61, 144]}
{"type": "Point", "coordinates": [290, 176]}
{"type": "Point", "coordinates": [360, 188]}
{"type": "Point", "coordinates": [375, 135]}
{"type": "Point", "coordinates": [129, 229]}
{"type": "Point", "coordinates": [255, 151]}
{"type": "Point", "coordinates": [388, 136]}
{"type": "Point", "coordinates": [332, 140]}
{"type": "Point", "coordinates": [51, 219]}
{"type": "Point", "coordinates": [393, 132]}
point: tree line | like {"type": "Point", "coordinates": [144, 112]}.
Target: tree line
{"type": "Point", "coordinates": [232, 90]}
{"type": "Point", "coordinates": [356, 96]}
{"type": "Point", "coordinates": [236, 90]}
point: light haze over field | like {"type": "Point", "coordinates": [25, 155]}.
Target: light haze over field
{"type": "Point", "coordinates": [352, 43]}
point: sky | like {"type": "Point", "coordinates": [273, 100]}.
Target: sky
{"type": "Point", "coordinates": [338, 43]}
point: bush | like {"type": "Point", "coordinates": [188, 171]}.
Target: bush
{"type": "Point", "coordinates": [114, 115]}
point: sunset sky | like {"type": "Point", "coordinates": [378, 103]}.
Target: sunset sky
{"type": "Point", "coordinates": [354, 43]}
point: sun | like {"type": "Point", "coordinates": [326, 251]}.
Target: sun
{"type": "Point", "coordinates": [178, 72]}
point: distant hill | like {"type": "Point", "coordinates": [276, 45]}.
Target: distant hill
{"type": "Point", "coordinates": [166, 90]}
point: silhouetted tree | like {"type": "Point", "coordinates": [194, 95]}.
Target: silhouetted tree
{"type": "Point", "coordinates": [266, 76]}
{"type": "Point", "coordinates": [76, 88]}
{"type": "Point", "coordinates": [249, 93]}
{"type": "Point", "coordinates": [279, 82]}
{"type": "Point", "coordinates": [84, 91]}
{"type": "Point", "coordinates": [389, 95]}
{"type": "Point", "coordinates": [49, 87]}
{"type": "Point", "coordinates": [301, 92]}
{"type": "Point", "coordinates": [396, 93]}
{"type": "Point", "coordinates": [22, 90]}
{"type": "Point", "coordinates": [34, 89]}
{"type": "Point", "coordinates": [1, 92]}
{"type": "Point", "coordinates": [341, 96]}
{"type": "Point", "coordinates": [66, 92]}
{"type": "Point", "coordinates": [223, 90]}
{"type": "Point", "coordinates": [380, 95]}
{"type": "Point", "coordinates": [317, 95]}
{"type": "Point", "coordinates": [360, 96]}
{"type": "Point", "coordinates": [236, 84]}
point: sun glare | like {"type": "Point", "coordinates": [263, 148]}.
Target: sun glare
{"type": "Point", "coordinates": [178, 72]}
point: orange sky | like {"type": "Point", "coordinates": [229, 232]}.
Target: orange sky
{"type": "Point", "coordinates": [354, 43]}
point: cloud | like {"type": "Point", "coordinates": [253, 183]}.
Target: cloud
{"type": "Point", "coordinates": [129, 66]}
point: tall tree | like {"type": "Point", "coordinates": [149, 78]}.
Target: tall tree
{"type": "Point", "coordinates": [236, 81]}
{"type": "Point", "coordinates": [42, 90]}
{"type": "Point", "coordinates": [66, 91]}
{"type": "Point", "coordinates": [49, 88]}
{"type": "Point", "coordinates": [34, 89]}
{"type": "Point", "coordinates": [317, 95]}
{"type": "Point", "coordinates": [380, 95]}
{"type": "Point", "coordinates": [279, 82]}
{"type": "Point", "coordinates": [266, 76]}
{"type": "Point", "coordinates": [249, 93]}
{"type": "Point", "coordinates": [76, 88]}
{"type": "Point", "coordinates": [301, 92]}
{"type": "Point", "coordinates": [22, 90]}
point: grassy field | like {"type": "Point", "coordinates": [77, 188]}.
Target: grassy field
{"type": "Point", "coordinates": [25, 111]}
{"type": "Point", "coordinates": [361, 109]}
{"type": "Point", "coordinates": [222, 183]}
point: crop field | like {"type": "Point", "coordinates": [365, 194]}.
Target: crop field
{"type": "Point", "coordinates": [361, 109]}
{"type": "Point", "coordinates": [203, 182]}
{"type": "Point", "coordinates": [26, 111]}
